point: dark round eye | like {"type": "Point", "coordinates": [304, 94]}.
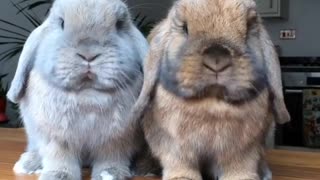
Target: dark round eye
{"type": "Point", "coordinates": [120, 24]}
{"type": "Point", "coordinates": [62, 23]}
{"type": "Point", "coordinates": [252, 19]}
{"type": "Point", "coordinates": [185, 28]}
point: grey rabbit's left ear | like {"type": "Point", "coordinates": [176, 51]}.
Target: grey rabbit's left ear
{"type": "Point", "coordinates": [25, 64]}
{"type": "Point", "coordinates": [272, 64]}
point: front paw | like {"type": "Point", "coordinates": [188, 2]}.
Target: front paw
{"type": "Point", "coordinates": [57, 175]}
{"type": "Point", "coordinates": [113, 174]}
{"type": "Point", "coordinates": [267, 176]}
{"type": "Point", "coordinates": [29, 163]}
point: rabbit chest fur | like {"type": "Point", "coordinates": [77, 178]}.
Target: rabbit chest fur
{"type": "Point", "coordinates": [84, 122]}
{"type": "Point", "coordinates": [206, 133]}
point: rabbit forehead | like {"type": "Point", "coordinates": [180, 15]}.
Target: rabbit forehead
{"type": "Point", "coordinates": [222, 18]}
{"type": "Point", "coordinates": [83, 12]}
{"type": "Point", "coordinates": [222, 4]}
{"type": "Point", "coordinates": [216, 10]}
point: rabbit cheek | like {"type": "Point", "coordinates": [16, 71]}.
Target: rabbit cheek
{"type": "Point", "coordinates": [171, 62]}
{"type": "Point", "coordinates": [168, 71]}
{"type": "Point", "coordinates": [193, 78]}
{"type": "Point", "coordinates": [186, 78]}
{"type": "Point", "coordinates": [246, 81]}
{"type": "Point", "coordinates": [69, 73]}
{"type": "Point", "coordinates": [70, 79]}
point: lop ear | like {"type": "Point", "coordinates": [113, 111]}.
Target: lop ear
{"type": "Point", "coordinates": [272, 64]}
{"type": "Point", "coordinates": [25, 64]}
{"type": "Point", "coordinates": [151, 68]}
{"type": "Point", "coordinates": [140, 43]}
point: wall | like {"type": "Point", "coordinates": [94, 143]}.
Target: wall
{"type": "Point", "coordinates": [304, 17]}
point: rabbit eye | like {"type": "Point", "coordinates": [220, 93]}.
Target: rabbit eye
{"type": "Point", "coordinates": [62, 23]}
{"type": "Point", "coordinates": [120, 24]}
{"type": "Point", "coordinates": [185, 28]}
{"type": "Point", "coordinates": [252, 19]}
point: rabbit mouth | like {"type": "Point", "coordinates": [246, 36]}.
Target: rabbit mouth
{"type": "Point", "coordinates": [89, 76]}
{"type": "Point", "coordinates": [219, 85]}
{"type": "Point", "coordinates": [217, 69]}
{"type": "Point", "coordinates": [87, 80]}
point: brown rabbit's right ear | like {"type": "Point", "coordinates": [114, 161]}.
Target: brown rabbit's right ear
{"type": "Point", "coordinates": [151, 68]}
{"type": "Point", "coordinates": [272, 63]}
{"type": "Point", "coordinates": [25, 64]}
{"type": "Point", "coordinates": [153, 33]}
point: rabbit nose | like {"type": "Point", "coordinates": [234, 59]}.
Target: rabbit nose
{"type": "Point", "coordinates": [88, 57]}
{"type": "Point", "coordinates": [216, 50]}
{"type": "Point", "coordinates": [217, 64]}
{"type": "Point", "coordinates": [217, 58]}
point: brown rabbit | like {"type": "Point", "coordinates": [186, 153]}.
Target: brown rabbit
{"type": "Point", "coordinates": [212, 88]}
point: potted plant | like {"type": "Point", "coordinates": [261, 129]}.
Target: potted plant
{"type": "Point", "coordinates": [3, 100]}
{"type": "Point", "coordinates": [142, 24]}
{"type": "Point", "coordinates": [13, 35]}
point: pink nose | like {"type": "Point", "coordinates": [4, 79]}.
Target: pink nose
{"type": "Point", "coordinates": [88, 57]}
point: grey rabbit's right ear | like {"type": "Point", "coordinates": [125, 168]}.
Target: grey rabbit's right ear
{"type": "Point", "coordinates": [151, 68]}
{"type": "Point", "coordinates": [25, 64]}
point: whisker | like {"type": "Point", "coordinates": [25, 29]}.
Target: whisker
{"type": "Point", "coordinates": [107, 62]}
{"type": "Point", "coordinates": [147, 6]}
{"type": "Point", "coordinates": [128, 88]}
{"type": "Point", "coordinates": [128, 78]}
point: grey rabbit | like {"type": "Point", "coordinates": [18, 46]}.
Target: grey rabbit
{"type": "Point", "coordinates": [77, 78]}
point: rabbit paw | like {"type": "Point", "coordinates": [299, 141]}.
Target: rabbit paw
{"type": "Point", "coordinates": [267, 176]}
{"type": "Point", "coordinates": [106, 176]}
{"type": "Point", "coordinates": [56, 175]}
{"type": "Point", "coordinates": [29, 163]}
{"type": "Point", "coordinates": [112, 174]}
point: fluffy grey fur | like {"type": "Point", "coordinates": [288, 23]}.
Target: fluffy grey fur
{"type": "Point", "coordinates": [78, 76]}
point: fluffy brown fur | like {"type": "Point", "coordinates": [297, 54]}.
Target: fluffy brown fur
{"type": "Point", "coordinates": [212, 86]}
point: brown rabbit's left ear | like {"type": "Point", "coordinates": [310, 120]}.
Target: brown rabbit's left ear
{"type": "Point", "coordinates": [272, 65]}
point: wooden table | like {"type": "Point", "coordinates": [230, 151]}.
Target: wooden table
{"type": "Point", "coordinates": [286, 165]}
